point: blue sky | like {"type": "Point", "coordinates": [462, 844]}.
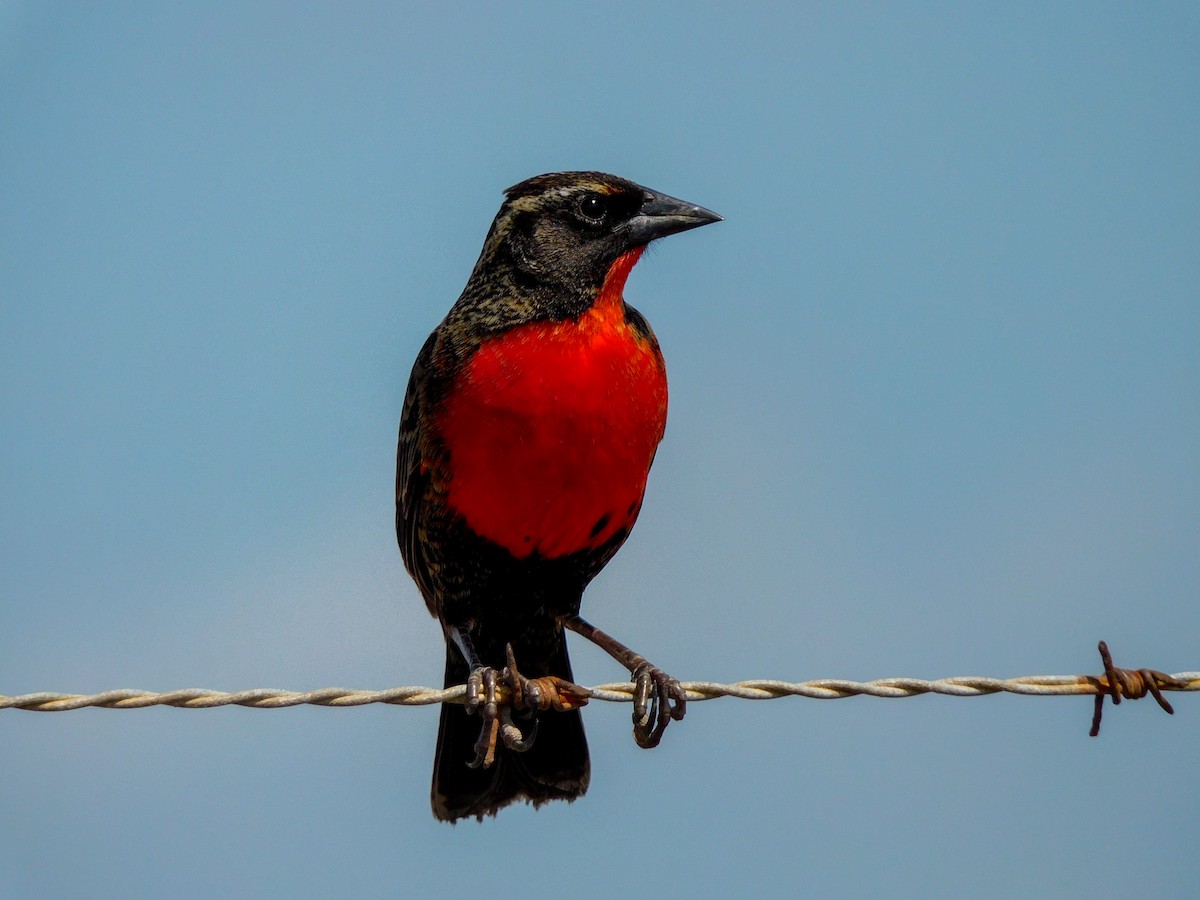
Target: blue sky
{"type": "Point", "coordinates": [935, 411]}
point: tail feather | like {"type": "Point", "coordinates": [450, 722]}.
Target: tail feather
{"type": "Point", "coordinates": [556, 767]}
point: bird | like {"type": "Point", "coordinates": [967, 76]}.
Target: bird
{"type": "Point", "coordinates": [531, 419]}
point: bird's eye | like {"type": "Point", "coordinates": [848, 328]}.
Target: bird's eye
{"type": "Point", "coordinates": [593, 207]}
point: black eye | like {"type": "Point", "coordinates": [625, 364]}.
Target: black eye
{"type": "Point", "coordinates": [593, 207]}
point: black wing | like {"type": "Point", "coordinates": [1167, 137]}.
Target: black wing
{"type": "Point", "coordinates": [413, 481]}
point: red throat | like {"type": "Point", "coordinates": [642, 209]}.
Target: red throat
{"type": "Point", "coordinates": [613, 289]}
{"type": "Point", "coordinates": [551, 428]}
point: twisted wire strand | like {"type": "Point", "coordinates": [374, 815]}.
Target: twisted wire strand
{"type": "Point", "coordinates": [618, 692]}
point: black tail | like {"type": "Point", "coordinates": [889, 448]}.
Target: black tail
{"type": "Point", "coordinates": [556, 767]}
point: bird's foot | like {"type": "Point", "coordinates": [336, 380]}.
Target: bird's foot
{"type": "Point", "coordinates": [494, 694]}
{"type": "Point", "coordinates": [657, 699]}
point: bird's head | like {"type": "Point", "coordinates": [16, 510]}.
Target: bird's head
{"type": "Point", "coordinates": [558, 235]}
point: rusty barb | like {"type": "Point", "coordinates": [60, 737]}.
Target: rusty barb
{"type": "Point", "coordinates": [1131, 683]}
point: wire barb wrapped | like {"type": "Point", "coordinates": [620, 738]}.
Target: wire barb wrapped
{"type": "Point", "coordinates": [1133, 684]}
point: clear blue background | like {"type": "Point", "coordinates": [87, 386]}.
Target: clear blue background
{"type": "Point", "coordinates": [935, 411]}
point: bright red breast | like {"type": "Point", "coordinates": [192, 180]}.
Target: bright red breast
{"type": "Point", "coordinates": [552, 426]}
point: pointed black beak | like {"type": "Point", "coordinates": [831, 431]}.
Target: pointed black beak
{"type": "Point", "coordinates": [661, 215]}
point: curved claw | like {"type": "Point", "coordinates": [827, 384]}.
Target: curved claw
{"type": "Point", "coordinates": [495, 694]}
{"type": "Point", "coordinates": [482, 699]}
{"type": "Point", "coordinates": [658, 698]}
{"type": "Point", "coordinates": [491, 694]}
{"type": "Point", "coordinates": [485, 746]}
{"type": "Point", "coordinates": [514, 739]}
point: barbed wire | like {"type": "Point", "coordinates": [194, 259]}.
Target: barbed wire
{"type": "Point", "coordinates": [615, 692]}
{"type": "Point", "coordinates": [1115, 683]}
